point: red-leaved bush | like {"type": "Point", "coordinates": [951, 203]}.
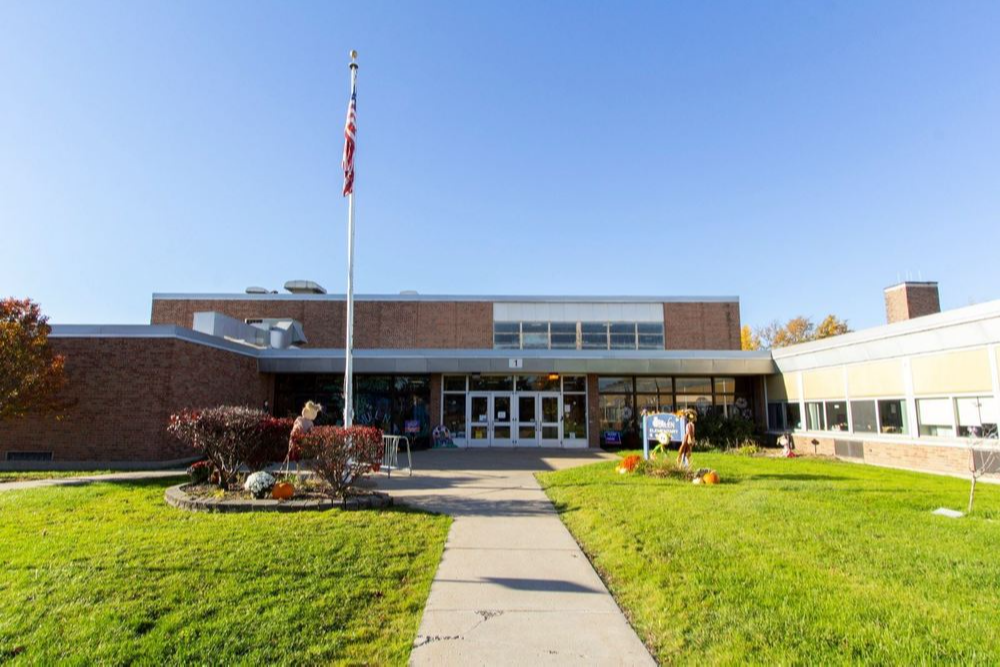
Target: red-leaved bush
{"type": "Point", "coordinates": [341, 456]}
{"type": "Point", "coordinates": [228, 436]}
{"type": "Point", "coordinates": [275, 434]}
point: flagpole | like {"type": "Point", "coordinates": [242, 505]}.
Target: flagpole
{"type": "Point", "coordinates": [349, 351]}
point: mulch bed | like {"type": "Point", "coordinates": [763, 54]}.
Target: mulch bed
{"type": "Point", "coordinates": [209, 498]}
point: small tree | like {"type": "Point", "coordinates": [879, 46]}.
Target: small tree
{"type": "Point", "coordinates": [341, 456]}
{"type": "Point", "coordinates": [831, 326]}
{"type": "Point", "coordinates": [31, 374]}
{"type": "Point", "coordinates": [749, 339]}
{"type": "Point", "coordinates": [984, 456]}
{"type": "Point", "coordinates": [228, 436]}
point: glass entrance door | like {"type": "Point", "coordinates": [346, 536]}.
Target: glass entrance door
{"type": "Point", "coordinates": [479, 420]}
{"type": "Point", "coordinates": [503, 420]}
{"type": "Point", "coordinates": [527, 420]}
{"type": "Point", "coordinates": [550, 420]}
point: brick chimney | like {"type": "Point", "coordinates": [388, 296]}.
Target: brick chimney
{"type": "Point", "coordinates": [911, 299]}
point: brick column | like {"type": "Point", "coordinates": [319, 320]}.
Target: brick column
{"type": "Point", "coordinates": [593, 413]}
{"type": "Point", "coordinates": [435, 404]}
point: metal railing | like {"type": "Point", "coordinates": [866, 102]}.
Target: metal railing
{"type": "Point", "coordinates": [390, 453]}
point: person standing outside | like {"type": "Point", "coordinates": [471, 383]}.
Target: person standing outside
{"type": "Point", "coordinates": [687, 443]}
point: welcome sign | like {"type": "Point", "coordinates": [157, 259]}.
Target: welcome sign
{"type": "Point", "coordinates": [662, 427]}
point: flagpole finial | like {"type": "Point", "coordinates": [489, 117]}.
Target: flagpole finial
{"type": "Point", "coordinates": [354, 58]}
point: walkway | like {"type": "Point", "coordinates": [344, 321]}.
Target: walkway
{"type": "Point", "coordinates": [87, 479]}
{"type": "Point", "coordinates": [513, 587]}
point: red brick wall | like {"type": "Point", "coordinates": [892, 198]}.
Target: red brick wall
{"type": "Point", "coordinates": [909, 300]}
{"type": "Point", "coordinates": [126, 389]}
{"type": "Point", "coordinates": [377, 324]}
{"type": "Point", "coordinates": [920, 457]}
{"type": "Point", "coordinates": [701, 326]}
{"type": "Point", "coordinates": [593, 414]}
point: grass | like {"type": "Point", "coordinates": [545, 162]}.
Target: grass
{"type": "Point", "coordinates": [108, 573]}
{"type": "Point", "coordinates": [29, 475]}
{"type": "Point", "coordinates": [793, 561]}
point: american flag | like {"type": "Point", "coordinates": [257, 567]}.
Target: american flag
{"type": "Point", "coordinates": [350, 128]}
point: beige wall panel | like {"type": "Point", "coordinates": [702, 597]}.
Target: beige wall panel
{"type": "Point", "coordinates": [877, 378]}
{"type": "Point", "coordinates": [954, 372]}
{"type": "Point", "coordinates": [782, 387]}
{"type": "Point", "coordinates": [824, 383]}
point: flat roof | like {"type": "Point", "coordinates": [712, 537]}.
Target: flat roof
{"type": "Point", "coordinates": [491, 298]}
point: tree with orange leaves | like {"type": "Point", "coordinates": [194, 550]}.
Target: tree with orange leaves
{"type": "Point", "coordinates": [31, 374]}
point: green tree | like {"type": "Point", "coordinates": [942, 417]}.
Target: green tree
{"type": "Point", "coordinates": [31, 374]}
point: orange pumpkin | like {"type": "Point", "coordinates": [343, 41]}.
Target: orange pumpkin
{"type": "Point", "coordinates": [711, 477]}
{"type": "Point", "coordinates": [283, 491]}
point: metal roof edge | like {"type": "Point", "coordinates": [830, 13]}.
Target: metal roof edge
{"type": "Point", "coordinates": [177, 296]}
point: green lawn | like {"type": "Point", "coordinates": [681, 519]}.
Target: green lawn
{"type": "Point", "coordinates": [28, 475]}
{"type": "Point", "coordinates": [108, 573]}
{"type": "Point", "coordinates": [793, 561]}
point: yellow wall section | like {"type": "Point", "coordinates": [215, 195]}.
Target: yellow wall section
{"type": "Point", "coordinates": [954, 372]}
{"type": "Point", "coordinates": [824, 383]}
{"type": "Point", "coordinates": [782, 387]}
{"type": "Point", "coordinates": [877, 378]}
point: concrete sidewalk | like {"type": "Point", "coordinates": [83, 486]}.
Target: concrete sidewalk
{"type": "Point", "coordinates": [128, 476]}
{"type": "Point", "coordinates": [513, 587]}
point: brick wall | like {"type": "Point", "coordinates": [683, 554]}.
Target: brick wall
{"type": "Point", "coordinates": [126, 388]}
{"type": "Point", "coordinates": [593, 413]}
{"type": "Point", "coordinates": [909, 300]}
{"type": "Point", "coordinates": [701, 326]}
{"type": "Point", "coordinates": [377, 324]}
{"type": "Point", "coordinates": [919, 457]}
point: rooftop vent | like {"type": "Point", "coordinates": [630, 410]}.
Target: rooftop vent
{"type": "Point", "coordinates": [408, 292]}
{"type": "Point", "coordinates": [304, 287]}
{"type": "Point", "coordinates": [256, 290]}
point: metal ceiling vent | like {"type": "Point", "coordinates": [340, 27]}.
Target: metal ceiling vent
{"type": "Point", "coordinates": [256, 290]}
{"type": "Point", "coordinates": [304, 287]}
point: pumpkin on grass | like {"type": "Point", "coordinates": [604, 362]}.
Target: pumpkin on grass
{"type": "Point", "coordinates": [711, 477]}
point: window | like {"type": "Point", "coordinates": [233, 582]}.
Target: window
{"type": "Point", "coordinates": [793, 415]}
{"type": "Point", "coordinates": [623, 336]}
{"type": "Point", "coordinates": [575, 416]}
{"type": "Point", "coordinates": [575, 383]}
{"type": "Point", "coordinates": [693, 385]}
{"type": "Point", "coordinates": [650, 335]}
{"type": "Point", "coordinates": [892, 416]}
{"type": "Point", "coordinates": [563, 335]}
{"type": "Point", "coordinates": [537, 383]}
{"type": "Point", "coordinates": [935, 416]}
{"type": "Point", "coordinates": [594, 335]}
{"type": "Point", "coordinates": [614, 385]}
{"type": "Point", "coordinates": [535, 335]}
{"type": "Point", "coordinates": [506, 335]}
{"type": "Point", "coordinates": [649, 385]}
{"type": "Point", "coordinates": [700, 402]}
{"type": "Point", "coordinates": [491, 383]}
{"type": "Point", "coordinates": [776, 416]}
{"type": "Point", "coordinates": [454, 383]}
{"type": "Point", "coordinates": [725, 385]}
{"type": "Point", "coordinates": [615, 413]}
{"type": "Point", "coordinates": [863, 416]}
{"type": "Point", "coordinates": [814, 417]}
{"type": "Point", "coordinates": [977, 417]}
{"type": "Point", "coordinates": [454, 415]}
{"type": "Point", "coordinates": [836, 416]}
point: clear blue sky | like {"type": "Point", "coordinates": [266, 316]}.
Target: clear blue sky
{"type": "Point", "coordinates": [800, 155]}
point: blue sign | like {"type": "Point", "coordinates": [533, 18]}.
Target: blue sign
{"type": "Point", "coordinates": [663, 428]}
{"type": "Point", "coordinates": [412, 426]}
{"type": "Point", "coordinates": [612, 438]}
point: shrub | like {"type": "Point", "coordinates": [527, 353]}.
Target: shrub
{"type": "Point", "coordinates": [227, 435]}
{"type": "Point", "coordinates": [748, 448]}
{"type": "Point", "coordinates": [274, 447]}
{"type": "Point", "coordinates": [200, 472]}
{"type": "Point", "coordinates": [341, 456]}
{"type": "Point", "coordinates": [716, 431]}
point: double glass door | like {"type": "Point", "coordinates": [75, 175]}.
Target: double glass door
{"type": "Point", "coordinates": [503, 419]}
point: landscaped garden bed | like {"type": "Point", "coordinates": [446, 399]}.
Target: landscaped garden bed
{"type": "Point", "coordinates": [792, 561]}
{"type": "Point", "coordinates": [209, 498]}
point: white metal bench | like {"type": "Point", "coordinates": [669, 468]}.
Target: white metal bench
{"type": "Point", "coordinates": [390, 453]}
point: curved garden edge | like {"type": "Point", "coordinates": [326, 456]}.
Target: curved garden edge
{"type": "Point", "coordinates": [175, 496]}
